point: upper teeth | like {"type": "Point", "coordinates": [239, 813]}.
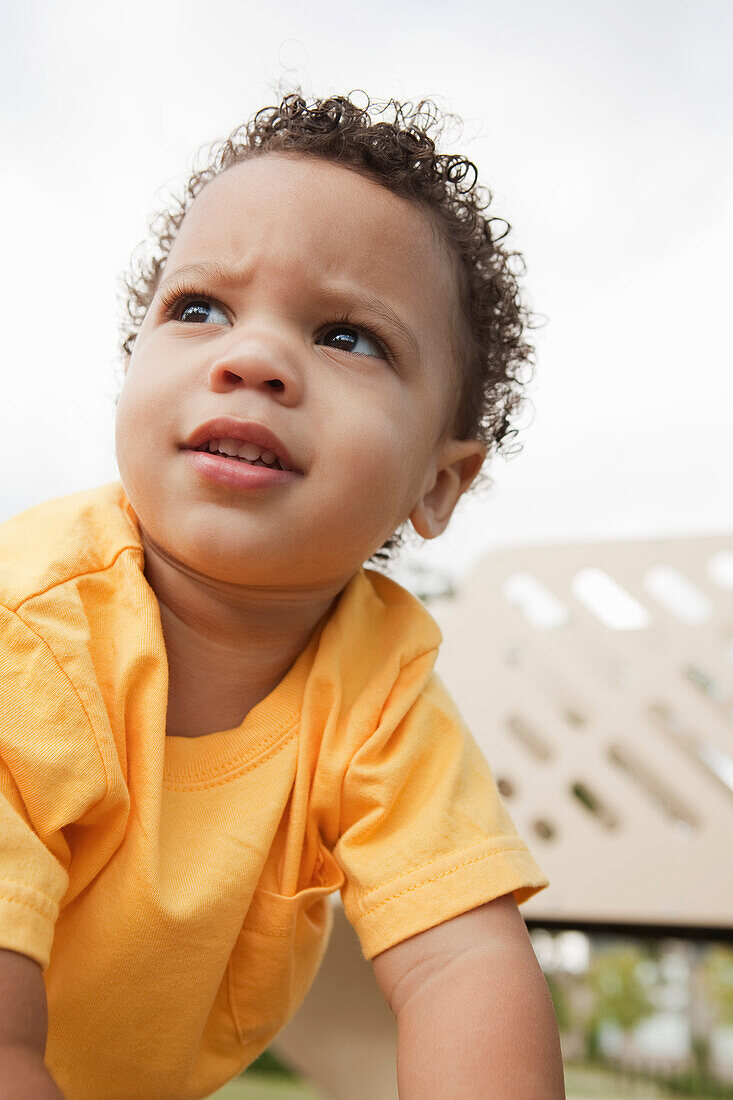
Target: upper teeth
{"type": "Point", "coordinates": [250, 451]}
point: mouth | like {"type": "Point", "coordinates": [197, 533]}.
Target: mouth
{"type": "Point", "coordinates": [237, 473]}
{"type": "Point", "coordinates": [248, 453]}
{"type": "Point", "coordinates": [242, 441]}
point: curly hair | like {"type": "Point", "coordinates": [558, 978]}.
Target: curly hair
{"type": "Point", "coordinates": [489, 320]}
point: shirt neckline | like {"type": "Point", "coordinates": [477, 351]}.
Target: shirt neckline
{"type": "Point", "coordinates": [190, 760]}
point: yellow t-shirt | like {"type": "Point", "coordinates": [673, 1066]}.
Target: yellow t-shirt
{"type": "Point", "coordinates": [174, 889]}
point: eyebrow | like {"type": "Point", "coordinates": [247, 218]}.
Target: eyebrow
{"type": "Point", "coordinates": [231, 274]}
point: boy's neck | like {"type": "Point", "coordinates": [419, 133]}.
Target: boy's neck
{"type": "Point", "coordinates": [226, 650]}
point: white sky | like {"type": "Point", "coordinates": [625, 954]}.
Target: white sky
{"type": "Point", "coordinates": [603, 130]}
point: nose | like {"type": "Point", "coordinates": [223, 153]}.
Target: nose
{"type": "Point", "coordinates": [260, 361]}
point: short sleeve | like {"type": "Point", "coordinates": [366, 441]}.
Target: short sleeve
{"type": "Point", "coordinates": [425, 834]}
{"type": "Point", "coordinates": [32, 882]}
{"type": "Point", "coordinates": [34, 701]}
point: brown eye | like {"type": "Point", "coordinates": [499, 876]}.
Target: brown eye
{"type": "Point", "coordinates": [347, 338]}
{"type": "Point", "coordinates": [201, 311]}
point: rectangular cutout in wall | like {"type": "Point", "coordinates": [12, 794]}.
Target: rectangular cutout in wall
{"type": "Point", "coordinates": [677, 594]}
{"type": "Point", "coordinates": [539, 606]}
{"type": "Point", "coordinates": [608, 601]}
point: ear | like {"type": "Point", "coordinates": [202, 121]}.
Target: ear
{"type": "Point", "coordinates": [458, 465]}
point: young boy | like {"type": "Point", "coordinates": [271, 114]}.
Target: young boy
{"type": "Point", "coordinates": [212, 716]}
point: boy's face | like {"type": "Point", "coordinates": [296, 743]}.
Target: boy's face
{"type": "Point", "coordinates": [367, 433]}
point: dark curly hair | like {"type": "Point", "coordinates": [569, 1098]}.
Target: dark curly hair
{"type": "Point", "coordinates": [489, 322]}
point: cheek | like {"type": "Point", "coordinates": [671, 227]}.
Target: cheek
{"type": "Point", "coordinates": [145, 405]}
{"type": "Point", "coordinates": [123, 422]}
{"type": "Point", "coordinates": [127, 448]}
{"type": "Point", "coordinates": [384, 472]}
{"type": "Point", "coordinates": [140, 422]}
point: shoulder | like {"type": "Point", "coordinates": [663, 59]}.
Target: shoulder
{"type": "Point", "coordinates": [379, 625]}
{"type": "Point", "coordinates": [61, 539]}
{"type": "Point", "coordinates": [60, 624]}
{"type": "Point", "coordinates": [376, 652]}
{"type": "Point", "coordinates": [400, 611]}
{"type": "Point", "coordinates": [60, 607]}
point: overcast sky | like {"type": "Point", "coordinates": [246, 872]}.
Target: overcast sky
{"type": "Point", "coordinates": [603, 130]}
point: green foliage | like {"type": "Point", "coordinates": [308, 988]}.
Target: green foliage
{"type": "Point", "coordinates": [717, 968]}
{"type": "Point", "coordinates": [619, 995]}
{"type": "Point", "coordinates": [598, 1080]}
{"type": "Point", "coordinates": [560, 1002]}
{"type": "Point", "coordinates": [695, 1084]}
{"type": "Point", "coordinates": [701, 1053]}
{"type": "Point", "coordinates": [268, 1062]}
{"type": "Point", "coordinates": [593, 1041]}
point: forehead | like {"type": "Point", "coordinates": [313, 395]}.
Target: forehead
{"type": "Point", "coordinates": [303, 222]}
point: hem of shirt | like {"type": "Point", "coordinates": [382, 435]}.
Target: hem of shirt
{"type": "Point", "coordinates": [422, 899]}
{"type": "Point", "coordinates": [31, 935]}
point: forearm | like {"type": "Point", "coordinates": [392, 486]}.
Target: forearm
{"type": "Point", "coordinates": [482, 1028]}
{"type": "Point", "coordinates": [23, 1076]}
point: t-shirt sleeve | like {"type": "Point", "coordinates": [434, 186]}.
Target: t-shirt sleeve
{"type": "Point", "coordinates": [34, 701]}
{"type": "Point", "coordinates": [424, 834]}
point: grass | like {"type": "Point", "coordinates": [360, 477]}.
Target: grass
{"type": "Point", "coordinates": [593, 1083]}
{"type": "Point", "coordinates": [582, 1083]}
{"type": "Point", "coordinates": [265, 1086]}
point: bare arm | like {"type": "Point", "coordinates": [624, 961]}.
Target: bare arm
{"type": "Point", "coordinates": [474, 1014]}
{"type": "Point", "coordinates": [23, 1028]}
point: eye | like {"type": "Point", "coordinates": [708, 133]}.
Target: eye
{"type": "Point", "coordinates": [347, 338]}
{"type": "Point", "coordinates": [200, 311]}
